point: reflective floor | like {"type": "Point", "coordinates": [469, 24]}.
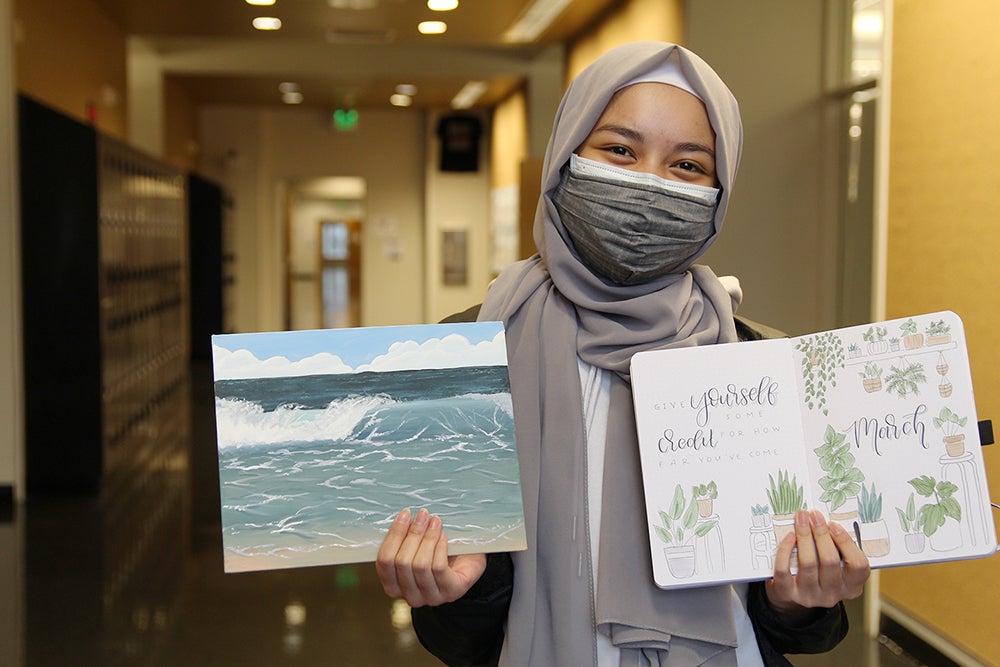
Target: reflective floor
{"type": "Point", "coordinates": [140, 582]}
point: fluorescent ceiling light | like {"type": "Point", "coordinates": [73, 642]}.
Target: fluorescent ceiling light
{"type": "Point", "coordinates": [358, 5]}
{"type": "Point", "coordinates": [538, 16]}
{"type": "Point", "coordinates": [292, 97]}
{"type": "Point", "coordinates": [470, 92]}
{"type": "Point", "coordinates": [400, 100]}
{"type": "Point", "coordinates": [267, 23]}
{"type": "Point", "coordinates": [260, 3]}
{"type": "Point", "coordinates": [432, 27]}
{"type": "Point", "coordinates": [442, 5]}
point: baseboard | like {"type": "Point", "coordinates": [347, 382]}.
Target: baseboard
{"type": "Point", "coordinates": [921, 642]}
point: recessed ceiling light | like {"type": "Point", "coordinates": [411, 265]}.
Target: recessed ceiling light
{"type": "Point", "coordinates": [260, 3]}
{"type": "Point", "coordinates": [292, 98]}
{"type": "Point", "coordinates": [267, 23]}
{"type": "Point", "coordinates": [288, 87]}
{"type": "Point", "coordinates": [432, 27]}
{"type": "Point", "coordinates": [399, 100]}
{"type": "Point", "coordinates": [442, 5]}
{"type": "Point", "coordinates": [406, 89]}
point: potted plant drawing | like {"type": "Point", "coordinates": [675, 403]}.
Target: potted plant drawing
{"type": "Point", "coordinates": [786, 498]}
{"type": "Point", "coordinates": [913, 527]}
{"type": "Point", "coordinates": [679, 526]}
{"type": "Point", "coordinates": [705, 495]}
{"type": "Point", "coordinates": [893, 344]}
{"type": "Point", "coordinates": [760, 515]}
{"type": "Point", "coordinates": [951, 425]}
{"type": "Point", "coordinates": [842, 481]}
{"type": "Point", "coordinates": [874, 532]}
{"type": "Point", "coordinates": [853, 351]}
{"type": "Point", "coordinates": [944, 535]}
{"type": "Point", "coordinates": [871, 377]}
{"type": "Point", "coordinates": [902, 380]}
{"type": "Point", "coordinates": [822, 355]}
{"type": "Point", "coordinates": [911, 339]}
{"type": "Point", "coordinates": [875, 337]}
{"type": "Point", "coordinates": [938, 333]}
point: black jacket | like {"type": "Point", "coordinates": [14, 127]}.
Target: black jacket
{"type": "Point", "coordinates": [470, 631]}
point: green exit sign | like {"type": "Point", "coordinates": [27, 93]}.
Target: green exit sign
{"type": "Point", "coordinates": [345, 120]}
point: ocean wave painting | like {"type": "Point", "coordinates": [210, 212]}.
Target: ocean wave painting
{"type": "Point", "coordinates": [324, 436]}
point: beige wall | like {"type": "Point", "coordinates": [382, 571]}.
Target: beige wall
{"type": "Point", "coordinates": [455, 202]}
{"type": "Point", "coordinates": [180, 132]}
{"type": "Point", "coordinates": [509, 140]}
{"type": "Point", "coordinates": [632, 21]}
{"type": "Point", "coordinates": [70, 54]}
{"type": "Point", "coordinates": [253, 152]}
{"type": "Point", "coordinates": [942, 243]}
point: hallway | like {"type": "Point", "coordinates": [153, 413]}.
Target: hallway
{"type": "Point", "coordinates": [141, 583]}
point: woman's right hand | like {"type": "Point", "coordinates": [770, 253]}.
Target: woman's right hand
{"type": "Point", "coordinates": [413, 562]}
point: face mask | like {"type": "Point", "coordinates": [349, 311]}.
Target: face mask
{"type": "Point", "coordinates": [632, 227]}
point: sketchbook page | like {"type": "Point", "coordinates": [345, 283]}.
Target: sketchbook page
{"type": "Point", "coordinates": [891, 430]}
{"type": "Point", "coordinates": [324, 436]}
{"type": "Point", "coordinates": [720, 440]}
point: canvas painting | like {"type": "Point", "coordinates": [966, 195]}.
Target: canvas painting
{"type": "Point", "coordinates": [324, 436]}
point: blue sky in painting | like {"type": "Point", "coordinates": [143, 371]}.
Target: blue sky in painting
{"type": "Point", "coordinates": [290, 353]}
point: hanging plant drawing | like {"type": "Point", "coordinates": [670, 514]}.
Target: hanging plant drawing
{"type": "Point", "coordinates": [822, 356]}
{"type": "Point", "coordinates": [903, 380]}
{"type": "Point", "coordinates": [871, 377]}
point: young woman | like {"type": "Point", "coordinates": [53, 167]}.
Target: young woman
{"type": "Point", "coordinates": [636, 182]}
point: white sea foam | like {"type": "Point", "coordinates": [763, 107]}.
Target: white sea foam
{"type": "Point", "coordinates": [242, 423]}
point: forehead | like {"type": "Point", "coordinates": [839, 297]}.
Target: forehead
{"type": "Point", "coordinates": [657, 109]}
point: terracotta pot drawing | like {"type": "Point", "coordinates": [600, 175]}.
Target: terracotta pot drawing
{"type": "Point", "coordinates": [872, 384]}
{"type": "Point", "coordinates": [913, 341]}
{"type": "Point", "coordinates": [955, 445]}
{"type": "Point", "coordinates": [875, 539]}
{"type": "Point", "coordinates": [704, 507]}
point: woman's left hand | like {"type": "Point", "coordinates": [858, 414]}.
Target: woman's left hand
{"type": "Point", "coordinates": [831, 568]}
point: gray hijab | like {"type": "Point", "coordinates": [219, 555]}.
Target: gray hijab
{"type": "Point", "coordinates": [556, 310]}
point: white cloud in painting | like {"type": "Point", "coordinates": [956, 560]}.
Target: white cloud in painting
{"type": "Point", "coordinates": [451, 351]}
{"type": "Point", "coordinates": [242, 364]}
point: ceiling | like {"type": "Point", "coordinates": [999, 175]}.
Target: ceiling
{"type": "Point", "coordinates": [341, 53]}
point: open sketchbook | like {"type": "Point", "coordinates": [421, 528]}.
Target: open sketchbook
{"type": "Point", "coordinates": [875, 425]}
{"type": "Point", "coordinates": [324, 436]}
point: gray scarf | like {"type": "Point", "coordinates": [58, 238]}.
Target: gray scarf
{"type": "Point", "coordinates": [555, 310]}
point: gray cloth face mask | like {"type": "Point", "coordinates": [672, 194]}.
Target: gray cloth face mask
{"type": "Point", "coordinates": [631, 228]}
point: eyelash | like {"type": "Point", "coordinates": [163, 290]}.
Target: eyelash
{"type": "Point", "coordinates": [624, 151]}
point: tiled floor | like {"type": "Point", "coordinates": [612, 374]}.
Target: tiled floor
{"type": "Point", "coordinates": [141, 583]}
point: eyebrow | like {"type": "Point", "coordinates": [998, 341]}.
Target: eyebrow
{"type": "Point", "coordinates": [634, 135]}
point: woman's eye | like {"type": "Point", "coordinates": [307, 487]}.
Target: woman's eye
{"type": "Point", "coordinates": [619, 150]}
{"type": "Point", "coordinates": [690, 166]}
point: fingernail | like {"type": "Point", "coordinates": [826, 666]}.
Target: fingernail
{"type": "Point", "coordinates": [404, 516]}
{"type": "Point", "coordinates": [422, 516]}
{"type": "Point", "coordinates": [435, 523]}
{"type": "Point", "coordinates": [836, 528]}
{"type": "Point", "coordinates": [801, 518]}
{"type": "Point", "coordinates": [817, 518]}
